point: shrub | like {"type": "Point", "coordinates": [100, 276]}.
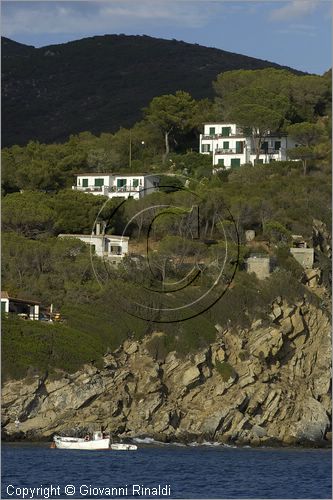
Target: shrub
{"type": "Point", "coordinates": [225, 370]}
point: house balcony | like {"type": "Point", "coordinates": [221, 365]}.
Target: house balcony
{"type": "Point", "coordinates": [269, 151]}
{"type": "Point", "coordinates": [233, 151]}
{"type": "Point", "coordinates": [124, 189]}
{"type": "Point", "coordinates": [89, 189]}
{"type": "Point", "coordinates": [280, 153]}
{"type": "Point", "coordinates": [210, 137]}
{"type": "Point", "coordinates": [108, 189]}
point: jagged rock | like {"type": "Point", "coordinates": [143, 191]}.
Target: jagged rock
{"type": "Point", "coordinates": [286, 326]}
{"type": "Point", "coordinates": [259, 431]}
{"type": "Point", "coordinates": [218, 354]}
{"type": "Point", "coordinates": [268, 343]}
{"type": "Point", "coordinates": [276, 313]}
{"type": "Point", "coordinates": [130, 347]}
{"type": "Point", "coordinates": [312, 277]}
{"type": "Point", "coordinates": [298, 324]}
{"type": "Point", "coordinates": [314, 422]}
{"type": "Point", "coordinates": [256, 324]}
{"type": "Point", "coordinates": [191, 375]}
{"type": "Point", "coordinates": [321, 237]}
{"type": "Point", "coordinates": [243, 382]}
{"type": "Point", "coordinates": [212, 422]}
{"type": "Point", "coordinates": [277, 391]}
{"type": "Point", "coordinates": [200, 357]}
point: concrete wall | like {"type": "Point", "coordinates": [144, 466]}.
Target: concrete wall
{"type": "Point", "coordinates": [5, 305]}
{"type": "Point", "coordinates": [305, 256]}
{"type": "Point", "coordinates": [258, 265]}
{"type": "Point", "coordinates": [104, 246]}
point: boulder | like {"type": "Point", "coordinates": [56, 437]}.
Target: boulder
{"type": "Point", "coordinates": [130, 347]}
{"type": "Point", "coordinates": [190, 376]}
{"type": "Point", "coordinates": [314, 422]}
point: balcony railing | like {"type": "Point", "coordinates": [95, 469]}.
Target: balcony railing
{"type": "Point", "coordinates": [239, 133]}
{"type": "Point", "coordinates": [234, 151]}
{"type": "Point", "coordinates": [124, 189]}
{"type": "Point", "coordinates": [108, 189]}
{"type": "Point", "coordinates": [268, 151]}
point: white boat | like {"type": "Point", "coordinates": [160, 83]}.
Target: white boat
{"type": "Point", "coordinates": [123, 446]}
{"type": "Point", "coordinates": [95, 442]}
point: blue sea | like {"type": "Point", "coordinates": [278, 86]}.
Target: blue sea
{"type": "Point", "coordinates": [165, 471]}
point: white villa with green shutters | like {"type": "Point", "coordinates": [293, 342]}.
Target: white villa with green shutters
{"type": "Point", "coordinates": [117, 185]}
{"type": "Point", "coordinates": [230, 147]}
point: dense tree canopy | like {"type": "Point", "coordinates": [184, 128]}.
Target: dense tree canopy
{"type": "Point", "coordinates": [275, 200]}
{"type": "Point", "coordinates": [172, 114]}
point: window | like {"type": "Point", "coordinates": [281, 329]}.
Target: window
{"type": "Point", "coordinates": [115, 250]}
{"type": "Point", "coordinates": [211, 130]}
{"type": "Point", "coordinates": [93, 248]}
{"type": "Point", "coordinates": [85, 183]}
{"type": "Point", "coordinates": [99, 182]}
{"type": "Point", "coordinates": [121, 183]}
{"type": "Point", "coordinates": [264, 147]}
{"type": "Point", "coordinates": [277, 146]}
{"type": "Point", "coordinates": [226, 131]}
{"type": "Point", "coordinates": [235, 162]}
{"type": "Point", "coordinates": [239, 147]}
{"type": "Point", "coordinates": [225, 144]}
{"type": "Point", "coordinates": [205, 148]}
{"type": "Point", "coordinates": [135, 183]}
{"type": "Point", "coordinates": [220, 162]}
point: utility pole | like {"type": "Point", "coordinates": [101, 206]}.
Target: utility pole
{"type": "Point", "coordinates": [130, 149]}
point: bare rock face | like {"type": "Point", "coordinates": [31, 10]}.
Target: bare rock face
{"type": "Point", "coordinates": [268, 384]}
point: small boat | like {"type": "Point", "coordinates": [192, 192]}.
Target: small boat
{"type": "Point", "coordinates": [97, 441]}
{"type": "Point", "coordinates": [123, 446]}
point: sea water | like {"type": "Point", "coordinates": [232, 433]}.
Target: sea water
{"type": "Point", "coordinates": [157, 471]}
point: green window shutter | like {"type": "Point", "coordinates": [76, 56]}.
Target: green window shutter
{"type": "Point", "coordinates": [211, 130]}
{"type": "Point", "coordinates": [99, 182]}
{"type": "Point", "coordinates": [220, 161]}
{"type": "Point", "coordinates": [3, 306]}
{"type": "Point", "coordinates": [277, 145]}
{"type": "Point", "coordinates": [226, 131]}
{"type": "Point", "coordinates": [264, 146]}
{"type": "Point", "coordinates": [135, 182]}
{"type": "Point", "coordinates": [84, 183]}
{"type": "Point", "coordinates": [121, 183]}
{"type": "Point", "coordinates": [225, 144]}
{"type": "Point", "coordinates": [235, 162]}
{"type": "Point", "coordinates": [239, 147]}
{"type": "Point", "coordinates": [258, 162]}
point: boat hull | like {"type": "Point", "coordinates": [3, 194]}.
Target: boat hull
{"type": "Point", "coordinates": [123, 447]}
{"type": "Point", "coordinates": [81, 444]}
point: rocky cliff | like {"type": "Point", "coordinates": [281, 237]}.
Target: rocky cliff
{"type": "Point", "coordinates": [266, 385]}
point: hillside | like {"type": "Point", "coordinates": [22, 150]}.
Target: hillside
{"type": "Point", "coordinates": [101, 83]}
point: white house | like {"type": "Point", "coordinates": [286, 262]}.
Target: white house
{"type": "Point", "coordinates": [117, 185]}
{"type": "Point", "coordinates": [109, 246]}
{"type": "Point", "coordinates": [23, 307]}
{"type": "Point", "coordinates": [231, 147]}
